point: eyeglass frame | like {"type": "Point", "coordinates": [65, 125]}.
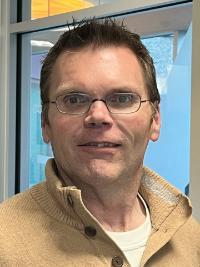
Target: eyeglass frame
{"type": "Point", "coordinates": [99, 99]}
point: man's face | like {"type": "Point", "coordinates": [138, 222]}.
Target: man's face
{"type": "Point", "coordinates": [122, 137]}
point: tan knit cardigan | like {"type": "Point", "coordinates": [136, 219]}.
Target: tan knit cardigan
{"type": "Point", "coordinates": [49, 225]}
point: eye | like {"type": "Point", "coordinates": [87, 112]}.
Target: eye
{"type": "Point", "coordinates": [72, 99]}
{"type": "Point", "coordinates": [123, 99]}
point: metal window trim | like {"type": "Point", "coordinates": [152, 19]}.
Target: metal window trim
{"type": "Point", "coordinates": [107, 10]}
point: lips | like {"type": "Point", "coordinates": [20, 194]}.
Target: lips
{"type": "Point", "coordinates": [100, 144]}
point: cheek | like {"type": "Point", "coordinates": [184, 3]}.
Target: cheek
{"type": "Point", "coordinates": [63, 141]}
{"type": "Point", "coordinates": [136, 129]}
{"type": "Point", "coordinates": [64, 130]}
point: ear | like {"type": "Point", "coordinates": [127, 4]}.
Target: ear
{"type": "Point", "coordinates": [155, 126]}
{"type": "Point", "coordinates": [45, 128]}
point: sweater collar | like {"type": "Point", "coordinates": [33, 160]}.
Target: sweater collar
{"type": "Point", "coordinates": [166, 203]}
{"type": "Point", "coordinates": [168, 207]}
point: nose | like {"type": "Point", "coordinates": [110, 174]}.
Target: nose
{"type": "Point", "coordinates": [98, 115]}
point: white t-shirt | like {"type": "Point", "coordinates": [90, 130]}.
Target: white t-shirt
{"type": "Point", "coordinates": [133, 242]}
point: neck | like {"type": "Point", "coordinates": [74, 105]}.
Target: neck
{"type": "Point", "coordinates": [117, 209]}
{"type": "Point", "coordinates": [115, 205]}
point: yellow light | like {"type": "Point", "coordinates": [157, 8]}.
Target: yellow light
{"type": "Point", "coordinates": [45, 8]}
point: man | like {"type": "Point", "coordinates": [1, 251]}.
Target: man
{"type": "Point", "coordinates": [99, 206]}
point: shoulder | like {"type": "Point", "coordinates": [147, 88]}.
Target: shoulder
{"type": "Point", "coordinates": [187, 238]}
{"type": "Point", "coordinates": [17, 222]}
{"type": "Point", "coordinates": [15, 201]}
{"type": "Point", "coordinates": [19, 215]}
{"type": "Point", "coordinates": [18, 205]}
{"type": "Point", "coordinates": [191, 229]}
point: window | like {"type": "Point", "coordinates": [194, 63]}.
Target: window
{"type": "Point", "coordinates": [169, 42]}
{"type": "Point", "coordinates": [169, 156]}
{"type": "Point", "coordinates": [167, 50]}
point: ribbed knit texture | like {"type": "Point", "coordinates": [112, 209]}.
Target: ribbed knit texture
{"type": "Point", "coordinates": [45, 226]}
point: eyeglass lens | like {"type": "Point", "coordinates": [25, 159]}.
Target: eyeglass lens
{"type": "Point", "coordinates": [77, 103]}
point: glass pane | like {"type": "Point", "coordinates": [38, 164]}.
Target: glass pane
{"type": "Point", "coordinates": [39, 151]}
{"type": "Point", "coordinates": [170, 155]}
{"type": "Point", "coordinates": [45, 8]}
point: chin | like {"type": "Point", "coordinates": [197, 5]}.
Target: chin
{"type": "Point", "coordinates": [102, 170]}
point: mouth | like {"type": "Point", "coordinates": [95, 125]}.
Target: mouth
{"type": "Point", "coordinates": [101, 144]}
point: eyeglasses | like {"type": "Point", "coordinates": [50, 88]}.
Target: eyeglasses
{"type": "Point", "coordinates": [79, 103]}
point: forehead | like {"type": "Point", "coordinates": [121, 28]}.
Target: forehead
{"type": "Point", "coordinates": [97, 68]}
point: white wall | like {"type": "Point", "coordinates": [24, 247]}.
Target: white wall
{"type": "Point", "coordinates": [3, 99]}
{"type": "Point", "coordinates": [195, 114]}
{"type": "Point", "coordinates": [7, 103]}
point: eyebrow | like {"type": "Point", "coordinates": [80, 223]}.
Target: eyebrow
{"type": "Point", "coordinates": [73, 89]}
{"type": "Point", "coordinates": [67, 90]}
{"type": "Point", "coordinates": [124, 89]}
